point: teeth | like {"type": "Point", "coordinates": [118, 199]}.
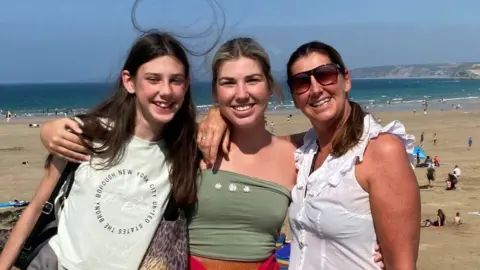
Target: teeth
{"type": "Point", "coordinates": [242, 108]}
{"type": "Point", "coordinates": [162, 105]}
{"type": "Point", "coordinates": [321, 102]}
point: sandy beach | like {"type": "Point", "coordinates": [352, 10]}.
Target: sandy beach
{"type": "Point", "coordinates": [451, 247]}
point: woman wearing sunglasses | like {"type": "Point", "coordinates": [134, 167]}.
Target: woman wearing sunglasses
{"type": "Point", "coordinates": [355, 184]}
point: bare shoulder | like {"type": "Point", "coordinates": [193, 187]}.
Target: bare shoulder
{"type": "Point", "coordinates": [385, 148]}
{"type": "Point", "coordinates": [386, 158]}
{"type": "Point", "coordinates": [283, 159]}
{"type": "Point", "coordinates": [294, 139]}
{"type": "Point", "coordinates": [284, 145]}
{"type": "Point", "coordinates": [283, 152]}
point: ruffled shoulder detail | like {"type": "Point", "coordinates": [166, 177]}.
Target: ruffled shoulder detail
{"type": "Point", "coordinates": [372, 129]}
{"type": "Point", "coordinates": [334, 169]}
{"type": "Point", "coordinates": [309, 144]}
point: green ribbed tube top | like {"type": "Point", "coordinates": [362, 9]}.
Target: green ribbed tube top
{"type": "Point", "coordinates": [237, 217]}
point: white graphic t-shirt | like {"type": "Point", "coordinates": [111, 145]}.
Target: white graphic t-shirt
{"type": "Point", "coordinates": [111, 214]}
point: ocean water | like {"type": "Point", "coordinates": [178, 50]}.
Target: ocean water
{"type": "Point", "coordinates": [45, 99]}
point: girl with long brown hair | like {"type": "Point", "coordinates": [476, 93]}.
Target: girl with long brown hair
{"type": "Point", "coordinates": [142, 140]}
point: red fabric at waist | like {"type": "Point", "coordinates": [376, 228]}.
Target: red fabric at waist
{"type": "Point", "coordinates": [269, 264]}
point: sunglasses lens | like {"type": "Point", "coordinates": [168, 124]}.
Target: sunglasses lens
{"type": "Point", "coordinates": [326, 75]}
{"type": "Point", "coordinates": [300, 83]}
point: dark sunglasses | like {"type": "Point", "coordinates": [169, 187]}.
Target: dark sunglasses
{"type": "Point", "coordinates": [324, 75]}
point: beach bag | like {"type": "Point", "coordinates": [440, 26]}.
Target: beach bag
{"type": "Point", "coordinates": [449, 184]}
{"type": "Point", "coordinates": [168, 249]}
{"type": "Point", "coordinates": [36, 253]}
{"type": "Point", "coordinates": [453, 179]}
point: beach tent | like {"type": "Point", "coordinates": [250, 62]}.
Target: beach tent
{"type": "Point", "coordinates": [420, 151]}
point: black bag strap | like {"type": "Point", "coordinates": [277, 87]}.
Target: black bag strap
{"type": "Point", "coordinates": [48, 211]}
{"type": "Point", "coordinates": [69, 179]}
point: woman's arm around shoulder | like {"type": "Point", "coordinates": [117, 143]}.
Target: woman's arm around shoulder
{"type": "Point", "coordinates": [61, 138]}
{"type": "Point", "coordinates": [30, 215]}
{"type": "Point", "coordinates": [394, 200]}
{"type": "Point", "coordinates": [214, 135]}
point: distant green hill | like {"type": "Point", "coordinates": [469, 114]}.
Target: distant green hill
{"type": "Point", "coordinates": [470, 70]}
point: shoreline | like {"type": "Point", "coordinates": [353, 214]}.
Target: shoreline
{"type": "Point", "coordinates": [469, 103]}
{"type": "Point", "coordinates": [432, 90]}
{"type": "Point", "coordinates": [401, 109]}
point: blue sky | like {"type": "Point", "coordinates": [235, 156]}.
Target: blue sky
{"type": "Point", "coordinates": [66, 41]}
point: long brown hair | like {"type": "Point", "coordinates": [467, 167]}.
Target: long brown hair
{"type": "Point", "coordinates": [441, 215]}
{"type": "Point", "coordinates": [120, 111]}
{"type": "Point", "coordinates": [351, 131]}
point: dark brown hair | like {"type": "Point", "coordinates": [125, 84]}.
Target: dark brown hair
{"type": "Point", "coordinates": [249, 48]}
{"type": "Point", "coordinates": [442, 217]}
{"type": "Point", "coordinates": [120, 110]}
{"type": "Point", "coordinates": [351, 131]}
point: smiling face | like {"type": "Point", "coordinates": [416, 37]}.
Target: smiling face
{"type": "Point", "coordinates": [242, 92]}
{"type": "Point", "coordinates": [159, 87]}
{"type": "Point", "coordinates": [326, 99]}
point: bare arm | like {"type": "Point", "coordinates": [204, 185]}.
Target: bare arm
{"type": "Point", "coordinates": [213, 131]}
{"type": "Point", "coordinates": [394, 200]}
{"type": "Point", "coordinates": [58, 139]}
{"type": "Point", "coordinates": [30, 215]}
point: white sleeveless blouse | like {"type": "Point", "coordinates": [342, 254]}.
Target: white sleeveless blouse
{"type": "Point", "coordinates": [331, 223]}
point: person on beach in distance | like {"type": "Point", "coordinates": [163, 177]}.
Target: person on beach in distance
{"type": "Point", "coordinates": [147, 127]}
{"type": "Point", "coordinates": [341, 202]}
{"type": "Point", "coordinates": [470, 141]}
{"type": "Point", "coordinates": [243, 196]}
{"type": "Point", "coordinates": [457, 220]}
{"type": "Point", "coordinates": [453, 177]}
{"type": "Point", "coordinates": [431, 174]}
{"type": "Point", "coordinates": [441, 219]}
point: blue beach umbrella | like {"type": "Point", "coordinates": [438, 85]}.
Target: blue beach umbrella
{"type": "Point", "coordinates": [420, 151]}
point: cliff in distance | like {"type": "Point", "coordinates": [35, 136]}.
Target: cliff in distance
{"type": "Point", "coordinates": [470, 70]}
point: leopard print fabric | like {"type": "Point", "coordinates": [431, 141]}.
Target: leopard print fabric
{"type": "Point", "coordinates": [169, 247]}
